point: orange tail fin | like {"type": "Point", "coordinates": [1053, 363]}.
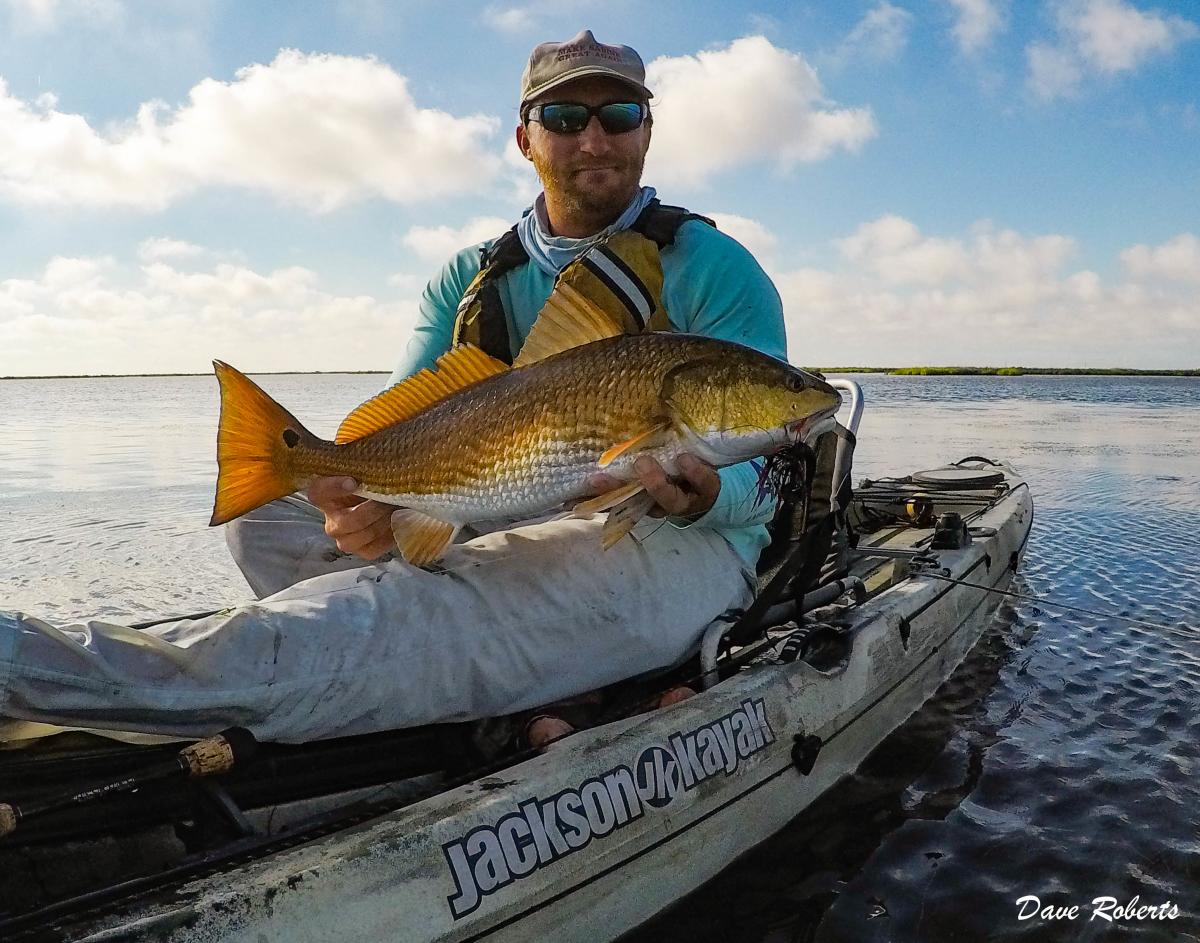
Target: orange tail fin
{"type": "Point", "coordinates": [254, 439]}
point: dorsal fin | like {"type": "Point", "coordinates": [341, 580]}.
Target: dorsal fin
{"type": "Point", "coordinates": [463, 366]}
{"type": "Point", "coordinates": [568, 320]}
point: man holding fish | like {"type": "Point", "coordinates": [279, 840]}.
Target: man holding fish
{"type": "Point", "coordinates": [608, 353]}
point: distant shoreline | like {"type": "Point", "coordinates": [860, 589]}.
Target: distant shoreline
{"type": "Point", "coordinates": [1013, 371]}
{"type": "Point", "coordinates": [893, 371]}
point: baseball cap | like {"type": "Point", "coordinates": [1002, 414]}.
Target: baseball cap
{"type": "Point", "coordinates": [553, 64]}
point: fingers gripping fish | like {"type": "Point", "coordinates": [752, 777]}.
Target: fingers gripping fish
{"type": "Point", "coordinates": [475, 439]}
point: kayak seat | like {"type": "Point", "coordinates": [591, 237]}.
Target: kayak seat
{"type": "Point", "coordinates": [813, 523]}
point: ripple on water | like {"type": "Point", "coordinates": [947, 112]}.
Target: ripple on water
{"type": "Point", "coordinates": [1060, 760]}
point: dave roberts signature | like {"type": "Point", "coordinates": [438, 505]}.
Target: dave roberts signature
{"type": "Point", "coordinates": [1102, 908]}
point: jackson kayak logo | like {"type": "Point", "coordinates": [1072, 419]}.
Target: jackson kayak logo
{"type": "Point", "coordinates": [543, 831]}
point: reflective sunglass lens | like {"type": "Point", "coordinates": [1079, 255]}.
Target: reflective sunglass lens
{"type": "Point", "coordinates": [571, 118]}
{"type": "Point", "coordinates": [619, 117]}
{"type": "Point", "coordinates": [565, 118]}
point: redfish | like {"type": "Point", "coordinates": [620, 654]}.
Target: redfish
{"type": "Point", "coordinates": [475, 439]}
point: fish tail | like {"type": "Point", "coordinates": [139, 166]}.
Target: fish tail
{"type": "Point", "coordinates": [255, 437]}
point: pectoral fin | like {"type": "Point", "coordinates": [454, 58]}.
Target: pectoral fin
{"type": "Point", "coordinates": [422, 539]}
{"type": "Point", "coordinates": [602, 502]}
{"type": "Point", "coordinates": [623, 518]}
{"type": "Point", "coordinates": [645, 439]}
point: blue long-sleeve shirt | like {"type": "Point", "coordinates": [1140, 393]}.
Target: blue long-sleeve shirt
{"type": "Point", "coordinates": [711, 285]}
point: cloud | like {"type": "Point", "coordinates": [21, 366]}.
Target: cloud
{"type": "Point", "coordinates": [1101, 37]}
{"type": "Point", "coordinates": [993, 297]}
{"type": "Point", "coordinates": [1177, 260]}
{"type": "Point", "coordinates": [1054, 72]}
{"type": "Point", "coordinates": [510, 19]}
{"type": "Point", "coordinates": [894, 250]}
{"type": "Point", "coordinates": [742, 104]}
{"type": "Point", "coordinates": [761, 242]}
{"type": "Point", "coordinates": [893, 295]}
{"type": "Point", "coordinates": [45, 15]}
{"type": "Point", "coordinates": [1114, 36]}
{"type": "Point", "coordinates": [89, 315]}
{"type": "Point", "coordinates": [317, 130]}
{"type": "Point", "coordinates": [158, 249]}
{"type": "Point", "coordinates": [520, 18]}
{"type": "Point", "coordinates": [521, 181]}
{"type": "Point", "coordinates": [438, 243]}
{"type": "Point", "coordinates": [880, 36]}
{"type": "Point", "coordinates": [976, 23]}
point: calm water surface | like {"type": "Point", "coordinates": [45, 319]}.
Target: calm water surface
{"type": "Point", "coordinates": [1061, 760]}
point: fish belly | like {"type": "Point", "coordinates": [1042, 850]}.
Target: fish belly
{"type": "Point", "coordinates": [525, 489]}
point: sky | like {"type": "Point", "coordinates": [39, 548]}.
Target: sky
{"type": "Point", "coordinates": [928, 182]}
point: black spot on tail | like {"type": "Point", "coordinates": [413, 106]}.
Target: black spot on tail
{"type": "Point", "coordinates": [291, 438]}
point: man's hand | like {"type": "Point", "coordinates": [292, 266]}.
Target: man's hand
{"type": "Point", "coordinates": [690, 495]}
{"type": "Point", "coordinates": [357, 526]}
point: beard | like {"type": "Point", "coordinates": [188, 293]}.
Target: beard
{"type": "Point", "coordinates": [594, 202]}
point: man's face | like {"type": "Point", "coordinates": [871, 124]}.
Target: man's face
{"type": "Point", "coordinates": [592, 172]}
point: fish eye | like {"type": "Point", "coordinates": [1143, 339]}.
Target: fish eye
{"type": "Point", "coordinates": [795, 382]}
{"type": "Point", "coordinates": [290, 438]}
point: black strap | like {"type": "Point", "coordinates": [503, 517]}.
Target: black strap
{"type": "Point", "coordinates": [660, 222]}
{"type": "Point", "coordinates": [505, 254]}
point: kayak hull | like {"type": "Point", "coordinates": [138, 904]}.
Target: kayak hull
{"type": "Point", "coordinates": [612, 825]}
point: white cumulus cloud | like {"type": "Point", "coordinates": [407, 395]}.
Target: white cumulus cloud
{"type": "Point", "coordinates": [318, 130]}
{"type": "Point", "coordinates": [976, 22]}
{"type": "Point", "coordinates": [438, 243]}
{"type": "Point", "coordinates": [893, 249]}
{"type": "Point", "coordinates": [1177, 259]}
{"type": "Point", "coordinates": [761, 242]}
{"type": "Point", "coordinates": [991, 297]}
{"type": "Point", "coordinates": [1101, 37]}
{"type": "Point", "coordinates": [746, 103]}
{"type": "Point", "coordinates": [88, 316]}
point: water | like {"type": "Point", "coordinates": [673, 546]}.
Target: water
{"type": "Point", "coordinates": [1061, 759]}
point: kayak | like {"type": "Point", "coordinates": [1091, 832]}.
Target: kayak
{"type": "Point", "coordinates": [381, 837]}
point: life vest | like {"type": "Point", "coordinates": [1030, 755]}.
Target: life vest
{"type": "Point", "coordinates": [622, 274]}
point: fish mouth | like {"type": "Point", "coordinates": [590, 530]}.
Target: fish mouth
{"type": "Point", "coordinates": [812, 426]}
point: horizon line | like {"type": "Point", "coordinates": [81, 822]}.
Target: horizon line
{"type": "Point", "coordinates": [910, 371]}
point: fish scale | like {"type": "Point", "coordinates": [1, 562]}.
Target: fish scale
{"type": "Point", "coordinates": [478, 440]}
{"type": "Point", "coordinates": [519, 441]}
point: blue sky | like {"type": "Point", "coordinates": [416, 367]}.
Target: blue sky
{"type": "Point", "coordinates": [930, 181]}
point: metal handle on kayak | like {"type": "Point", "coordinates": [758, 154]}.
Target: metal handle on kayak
{"type": "Point", "coordinates": [841, 461]}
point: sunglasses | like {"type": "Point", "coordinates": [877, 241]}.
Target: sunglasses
{"type": "Point", "coordinates": [571, 117]}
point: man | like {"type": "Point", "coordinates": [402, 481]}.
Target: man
{"type": "Point", "coordinates": [514, 618]}
{"type": "Point", "coordinates": [592, 183]}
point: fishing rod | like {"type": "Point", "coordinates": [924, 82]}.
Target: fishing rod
{"type": "Point", "coordinates": [1050, 603]}
{"type": "Point", "coordinates": [211, 756]}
